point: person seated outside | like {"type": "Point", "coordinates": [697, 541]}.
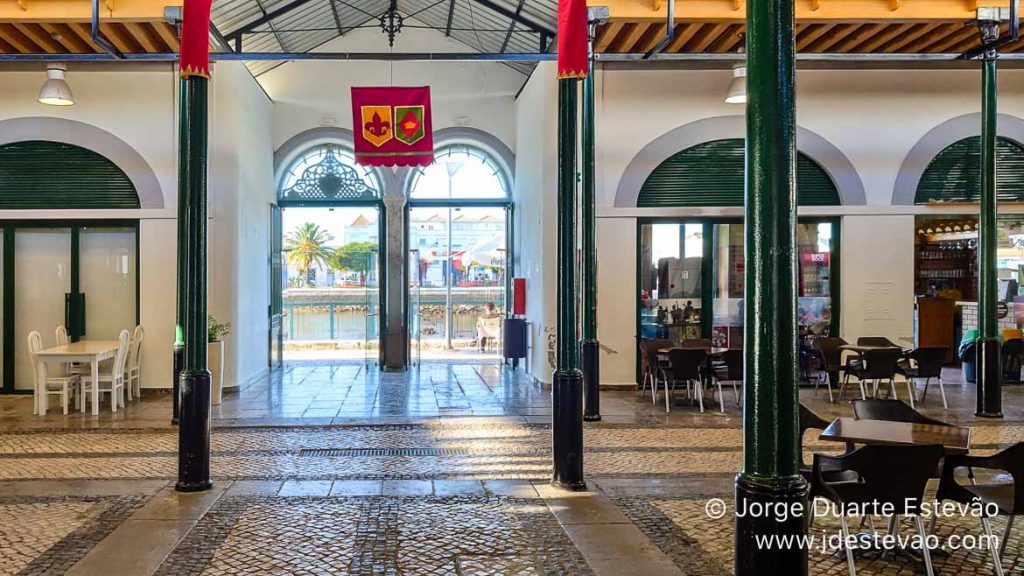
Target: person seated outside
{"type": "Point", "coordinates": [488, 325]}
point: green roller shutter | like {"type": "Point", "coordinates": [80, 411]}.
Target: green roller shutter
{"type": "Point", "coordinates": [954, 175]}
{"type": "Point", "coordinates": [38, 174]}
{"type": "Point", "coordinates": [711, 174]}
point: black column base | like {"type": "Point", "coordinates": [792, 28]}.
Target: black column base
{"type": "Point", "coordinates": [752, 560]}
{"type": "Point", "coordinates": [990, 376]}
{"type": "Point", "coordinates": [567, 429]}
{"type": "Point", "coordinates": [194, 432]}
{"type": "Point", "coordinates": [179, 364]}
{"type": "Point", "coordinates": [591, 381]}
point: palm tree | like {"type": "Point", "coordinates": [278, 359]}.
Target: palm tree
{"type": "Point", "coordinates": [305, 246]}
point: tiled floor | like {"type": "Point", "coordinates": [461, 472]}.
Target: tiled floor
{"type": "Point", "coordinates": [441, 473]}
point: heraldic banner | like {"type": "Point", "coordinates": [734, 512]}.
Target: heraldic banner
{"type": "Point", "coordinates": [392, 126]}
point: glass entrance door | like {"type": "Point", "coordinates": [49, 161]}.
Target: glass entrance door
{"type": "Point", "coordinates": [458, 281]}
{"type": "Point", "coordinates": [413, 321]}
{"type": "Point", "coordinates": [330, 292]}
{"type": "Point", "coordinates": [372, 302]}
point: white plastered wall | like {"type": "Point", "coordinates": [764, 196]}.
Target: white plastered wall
{"type": "Point", "coordinates": [140, 108]}
{"type": "Point", "coordinates": [872, 117]}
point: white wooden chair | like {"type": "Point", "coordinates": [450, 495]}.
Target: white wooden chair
{"type": "Point", "coordinates": [133, 385]}
{"type": "Point", "coordinates": [62, 335]}
{"type": "Point", "coordinates": [114, 380]}
{"type": "Point", "coordinates": [62, 385]}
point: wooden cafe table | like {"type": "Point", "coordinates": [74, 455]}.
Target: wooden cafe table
{"type": "Point", "coordinates": [90, 352]}
{"type": "Point", "coordinates": [954, 439]}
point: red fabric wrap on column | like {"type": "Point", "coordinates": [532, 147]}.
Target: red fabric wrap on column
{"type": "Point", "coordinates": [572, 38]}
{"type": "Point", "coordinates": [195, 38]}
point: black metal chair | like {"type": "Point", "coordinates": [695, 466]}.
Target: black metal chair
{"type": "Point", "coordinates": [1013, 351]}
{"type": "Point", "coordinates": [653, 365]}
{"type": "Point", "coordinates": [831, 361]}
{"type": "Point", "coordinates": [687, 367]}
{"type": "Point", "coordinates": [876, 485]}
{"type": "Point", "coordinates": [811, 421]}
{"type": "Point", "coordinates": [1007, 496]}
{"type": "Point", "coordinates": [729, 370]}
{"type": "Point", "coordinates": [879, 365]}
{"type": "Point", "coordinates": [924, 363]}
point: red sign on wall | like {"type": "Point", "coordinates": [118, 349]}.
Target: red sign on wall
{"type": "Point", "coordinates": [518, 296]}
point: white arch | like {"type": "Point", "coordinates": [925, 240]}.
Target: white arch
{"type": "Point", "coordinates": [87, 136]}
{"type": "Point", "coordinates": [938, 139]}
{"type": "Point", "coordinates": [814, 146]}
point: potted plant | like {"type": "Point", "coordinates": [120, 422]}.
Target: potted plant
{"type": "Point", "coordinates": [215, 332]}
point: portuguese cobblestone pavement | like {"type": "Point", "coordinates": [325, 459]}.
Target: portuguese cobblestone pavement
{"type": "Point", "coordinates": [409, 498]}
{"type": "Point", "coordinates": [377, 535]}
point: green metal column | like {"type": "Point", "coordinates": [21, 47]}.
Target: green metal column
{"type": "Point", "coordinates": [194, 417]}
{"type": "Point", "coordinates": [770, 476]}
{"type": "Point", "coordinates": [567, 383]}
{"type": "Point", "coordinates": [591, 348]}
{"type": "Point", "coordinates": [989, 355]}
{"type": "Point", "coordinates": [178, 351]}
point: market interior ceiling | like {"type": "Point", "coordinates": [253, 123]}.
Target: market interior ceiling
{"type": "Point", "coordinates": [490, 27]}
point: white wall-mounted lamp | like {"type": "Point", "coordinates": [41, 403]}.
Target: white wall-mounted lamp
{"type": "Point", "coordinates": [55, 90]}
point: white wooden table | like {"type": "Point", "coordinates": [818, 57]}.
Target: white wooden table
{"type": "Point", "coordinates": [90, 352]}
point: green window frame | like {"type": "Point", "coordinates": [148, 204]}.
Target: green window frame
{"type": "Point", "coordinates": [954, 175]}
{"type": "Point", "coordinates": [41, 175]}
{"type": "Point", "coordinates": [711, 174]}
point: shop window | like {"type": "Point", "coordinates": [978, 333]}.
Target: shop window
{"type": "Point", "coordinates": [692, 279]}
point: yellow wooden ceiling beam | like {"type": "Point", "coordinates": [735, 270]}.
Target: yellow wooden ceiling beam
{"type": "Point", "coordinates": [812, 11]}
{"type": "Point", "coordinates": [81, 10]}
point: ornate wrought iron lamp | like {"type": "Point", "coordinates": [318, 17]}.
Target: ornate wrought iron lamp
{"type": "Point", "coordinates": [391, 22]}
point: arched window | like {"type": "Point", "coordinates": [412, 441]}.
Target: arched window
{"type": "Point", "coordinates": [460, 172]}
{"type": "Point", "coordinates": [84, 179]}
{"type": "Point", "coordinates": [954, 175]}
{"type": "Point", "coordinates": [711, 174]}
{"type": "Point", "coordinates": [328, 174]}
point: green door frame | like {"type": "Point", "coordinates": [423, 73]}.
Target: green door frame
{"type": "Point", "coordinates": [382, 229]}
{"type": "Point", "coordinates": [707, 267]}
{"type": "Point", "coordinates": [509, 207]}
{"type": "Point", "coordinates": [8, 350]}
